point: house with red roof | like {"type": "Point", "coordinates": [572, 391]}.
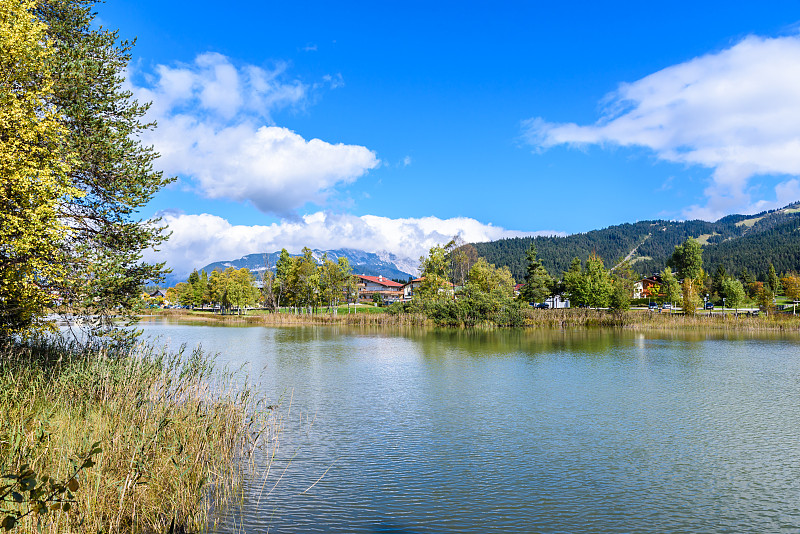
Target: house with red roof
{"type": "Point", "coordinates": [368, 286]}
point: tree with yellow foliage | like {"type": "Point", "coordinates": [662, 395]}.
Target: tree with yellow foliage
{"type": "Point", "coordinates": [34, 165]}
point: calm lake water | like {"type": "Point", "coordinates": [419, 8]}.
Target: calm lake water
{"type": "Point", "coordinates": [423, 431]}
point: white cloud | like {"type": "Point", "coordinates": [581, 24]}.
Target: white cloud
{"type": "Point", "coordinates": [198, 240]}
{"type": "Point", "coordinates": [215, 128]}
{"type": "Point", "coordinates": [736, 112]}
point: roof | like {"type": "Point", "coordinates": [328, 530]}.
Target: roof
{"type": "Point", "coordinates": [380, 280]}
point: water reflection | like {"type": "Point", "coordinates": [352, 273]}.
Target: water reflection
{"type": "Point", "coordinates": [521, 431]}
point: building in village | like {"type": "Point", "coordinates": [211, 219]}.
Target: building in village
{"type": "Point", "coordinates": [369, 286]}
{"type": "Point", "coordinates": [646, 288]}
{"type": "Point", "coordinates": [411, 287]}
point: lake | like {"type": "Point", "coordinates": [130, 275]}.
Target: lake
{"type": "Point", "coordinates": [429, 431]}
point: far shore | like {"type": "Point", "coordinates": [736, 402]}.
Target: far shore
{"type": "Point", "coordinates": [634, 319]}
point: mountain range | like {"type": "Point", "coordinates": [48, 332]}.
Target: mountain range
{"type": "Point", "coordinates": [735, 242]}
{"type": "Point", "coordinates": [367, 263]}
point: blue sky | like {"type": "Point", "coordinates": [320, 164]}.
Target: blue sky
{"type": "Point", "coordinates": [388, 126]}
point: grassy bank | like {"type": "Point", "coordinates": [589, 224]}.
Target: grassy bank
{"type": "Point", "coordinates": [95, 439]}
{"type": "Point", "coordinates": [368, 316]}
{"type": "Point", "coordinates": [568, 318]}
{"type": "Point", "coordinates": [645, 320]}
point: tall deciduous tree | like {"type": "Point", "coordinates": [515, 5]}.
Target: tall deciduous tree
{"type": "Point", "coordinates": [670, 286]}
{"type": "Point", "coordinates": [623, 279]}
{"type": "Point", "coordinates": [590, 286]}
{"type": "Point", "coordinates": [65, 110]}
{"type": "Point", "coordinates": [283, 269]}
{"type": "Point", "coordinates": [688, 260]}
{"type": "Point", "coordinates": [434, 269]}
{"type": "Point", "coordinates": [597, 282]}
{"type": "Point", "coordinates": [487, 278]}
{"type": "Point", "coordinates": [734, 293]}
{"type": "Point", "coordinates": [34, 167]}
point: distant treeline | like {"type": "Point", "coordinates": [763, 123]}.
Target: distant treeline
{"type": "Point", "coordinates": [755, 243]}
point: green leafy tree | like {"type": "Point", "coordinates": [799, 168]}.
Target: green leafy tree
{"type": "Point", "coordinates": [538, 282]}
{"type": "Point", "coordinates": [487, 278]}
{"type": "Point", "coordinates": [241, 291]}
{"type": "Point", "coordinates": [434, 269]}
{"type": "Point", "coordinates": [184, 293]}
{"type": "Point", "coordinates": [764, 297]}
{"type": "Point", "coordinates": [688, 260]}
{"type": "Point", "coordinates": [690, 296]}
{"type": "Point", "coordinates": [597, 283]}
{"type": "Point", "coordinates": [304, 280]}
{"type": "Point", "coordinates": [670, 286]}
{"type": "Point", "coordinates": [734, 293]}
{"type": "Point", "coordinates": [201, 296]}
{"type": "Point", "coordinates": [333, 277]}
{"type": "Point", "coordinates": [622, 280]}
{"type": "Point", "coordinates": [590, 286]}
{"type": "Point", "coordinates": [283, 269]}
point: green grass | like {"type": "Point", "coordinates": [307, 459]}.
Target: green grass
{"type": "Point", "coordinates": [175, 435]}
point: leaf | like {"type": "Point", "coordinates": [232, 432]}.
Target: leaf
{"type": "Point", "coordinates": [16, 496]}
{"type": "Point", "coordinates": [66, 507]}
{"type": "Point", "coordinates": [55, 506]}
{"type": "Point", "coordinates": [72, 485]}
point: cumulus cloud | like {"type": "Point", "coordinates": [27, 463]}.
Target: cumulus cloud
{"type": "Point", "coordinates": [198, 240]}
{"type": "Point", "coordinates": [736, 112]}
{"type": "Point", "coordinates": [215, 128]}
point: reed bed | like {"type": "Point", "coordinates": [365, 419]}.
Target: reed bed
{"type": "Point", "coordinates": [167, 437]}
{"type": "Point", "coordinates": [645, 320]}
{"type": "Point", "coordinates": [560, 318]}
{"type": "Point", "coordinates": [346, 319]}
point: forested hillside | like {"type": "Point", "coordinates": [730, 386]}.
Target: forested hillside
{"type": "Point", "coordinates": [736, 242]}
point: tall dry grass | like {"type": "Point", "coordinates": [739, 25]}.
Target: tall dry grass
{"type": "Point", "coordinates": [533, 318]}
{"type": "Point", "coordinates": [646, 320]}
{"type": "Point", "coordinates": [175, 435]}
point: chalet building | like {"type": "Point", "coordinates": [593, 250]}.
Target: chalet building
{"type": "Point", "coordinates": [368, 286]}
{"type": "Point", "coordinates": [411, 287]}
{"type": "Point", "coordinates": [645, 288]}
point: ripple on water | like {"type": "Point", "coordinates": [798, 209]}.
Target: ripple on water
{"type": "Point", "coordinates": [585, 432]}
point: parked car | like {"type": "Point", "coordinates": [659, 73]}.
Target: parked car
{"type": "Point", "coordinates": [543, 306]}
{"type": "Point", "coordinates": [709, 305]}
{"type": "Point", "coordinates": [666, 306]}
{"type": "Point", "coordinates": [653, 305]}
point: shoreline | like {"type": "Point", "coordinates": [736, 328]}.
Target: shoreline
{"type": "Point", "coordinates": [534, 319]}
